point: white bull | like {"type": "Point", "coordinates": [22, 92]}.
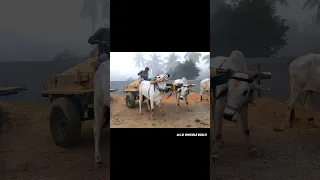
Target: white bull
{"type": "Point", "coordinates": [232, 98]}
{"type": "Point", "coordinates": [205, 87]}
{"type": "Point", "coordinates": [153, 91]}
{"type": "Point", "coordinates": [304, 75]}
{"type": "Point", "coordinates": [101, 102]}
{"type": "Point", "coordinates": [182, 89]}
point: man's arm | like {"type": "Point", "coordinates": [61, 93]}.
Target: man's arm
{"type": "Point", "coordinates": [140, 72]}
{"type": "Point", "coordinates": [96, 37]}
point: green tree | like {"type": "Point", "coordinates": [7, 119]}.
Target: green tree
{"type": "Point", "coordinates": [105, 4]}
{"type": "Point", "coordinates": [90, 10]}
{"type": "Point", "coordinates": [139, 60]}
{"type": "Point", "coordinates": [187, 69]}
{"type": "Point", "coordinates": [155, 64]}
{"type": "Point", "coordinates": [172, 60]}
{"type": "Point", "coordinates": [206, 59]}
{"type": "Point", "coordinates": [250, 26]}
{"type": "Point", "coordinates": [282, 2]}
{"type": "Point", "coordinates": [194, 56]}
{"type": "Point", "coordinates": [311, 4]}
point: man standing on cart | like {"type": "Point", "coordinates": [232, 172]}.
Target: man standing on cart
{"type": "Point", "coordinates": [144, 74]}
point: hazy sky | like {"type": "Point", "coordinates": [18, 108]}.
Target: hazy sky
{"type": "Point", "coordinates": [122, 65]}
{"type": "Point", "coordinates": [42, 28]}
{"type": "Point", "coordinates": [44, 25]}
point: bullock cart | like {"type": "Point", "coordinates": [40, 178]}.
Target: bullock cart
{"type": "Point", "coordinates": [71, 94]}
{"type": "Point", "coordinates": [132, 93]}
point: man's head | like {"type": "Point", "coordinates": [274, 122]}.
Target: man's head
{"type": "Point", "coordinates": [240, 92]}
{"type": "Point", "coordinates": [146, 69]}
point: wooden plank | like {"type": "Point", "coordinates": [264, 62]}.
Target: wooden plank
{"type": "Point", "coordinates": [6, 91]}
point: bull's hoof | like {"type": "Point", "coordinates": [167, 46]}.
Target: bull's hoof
{"type": "Point", "coordinates": [215, 159]}
{"type": "Point", "coordinates": [222, 143]}
{"type": "Point", "coordinates": [152, 117]}
{"type": "Point", "coordinates": [282, 127]}
{"type": "Point", "coordinates": [278, 129]}
{"type": "Point", "coordinates": [254, 153]}
{"type": "Point", "coordinates": [311, 124]}
{"type": "Point", "coordinates": [140, 112]}
{"type": "Point", "coordinates": [163, 113]}
{"type": "Point", "coordinates": [100, 164]}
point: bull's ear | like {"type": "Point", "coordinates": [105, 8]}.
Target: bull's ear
{"type": "Point", "coordinates": [260, 87]}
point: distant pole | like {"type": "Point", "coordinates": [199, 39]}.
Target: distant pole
{"type": "Point", "coordinates": [258, 81]}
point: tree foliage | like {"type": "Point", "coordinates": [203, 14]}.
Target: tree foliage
{"type": "Point", "coordinates": [139, 60]}
{"type": "Point", "coordinates": [311, 4]}
{"type": "Point", "coordinates": [249, 26]}
{"type": "Point", "coordinates": [187, 69]}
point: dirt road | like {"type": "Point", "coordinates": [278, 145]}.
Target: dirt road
{"type": "Point", "coordinates": [27, 150]}
{"type": "Point", "coordinates": [123, 117]}
{"type": "Point", "coordinates": [293, 154]}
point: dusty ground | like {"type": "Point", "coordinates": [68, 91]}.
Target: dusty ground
{"type": "Point", "coordinates": [27, 150]}
{"type": "Point", "coordinates": [292, 154]}
{"type": "Point", "coordinates": [123, 117]}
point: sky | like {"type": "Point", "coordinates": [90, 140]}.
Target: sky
{"type": "Point", "coordinates": [122, 66]}
{"type": "Point", "coordinates": [43, 28]}
{"type": "Point", "coordinates": [42, 25]}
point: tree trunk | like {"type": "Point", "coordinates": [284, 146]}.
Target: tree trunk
{"type": "Point", "coordinates": [93, 29]}
{"type": "Point", "coordinates": [318, 14]}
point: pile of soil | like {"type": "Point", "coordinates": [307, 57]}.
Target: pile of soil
{"type": "Point", "coordinates": [116, 97]}
{"type": "Point", "coordinates": [192, 97]}
{"type": "Point", "coordinates": [10, 117]}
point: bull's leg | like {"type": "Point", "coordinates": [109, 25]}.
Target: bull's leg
{"type": "Point", "coordinates": [307, 106]}
{"type": "Point", "coordinates": [160, 107]}
{"type": "Point", "coordinates": [148, 103]}
{"type": "Point", "coordinates": [140, 100]}
{"type": "Point", "coordinates": [186, 98]}
{"type": "Point", "coordinates": [97, 124]}
{"type": "Point", "coordinates": [218, 122]}
{"type": "Point", "coordinates": [290, 107]}
{"type": "Point", "coordinates": [152, 108]}
{"type": "Point", "coordinates": [208, 95]}
{"type": "Point", "coordinates": [290, 115]}
{"type": "Point", "coordinates": [178, 101]}
{"type": "Point", "coordinates": [245, 127]}
{"type": "Point", "coordinates": [201, 93]}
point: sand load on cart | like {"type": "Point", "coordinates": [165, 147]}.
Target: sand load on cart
{"type": "Point", "coordinates": [78, 79]}
{"type": "Point", "coordinates": [11, 117]}
{"type": "Point", "coordinates": [134, 86]}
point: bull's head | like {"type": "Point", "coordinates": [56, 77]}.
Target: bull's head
{"type": "Point", "coordinates": [162, 80]}
{"type": "Point", "coordinates": [185, 89]}
{"type": "Point", "coordinates": [240, 91]}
